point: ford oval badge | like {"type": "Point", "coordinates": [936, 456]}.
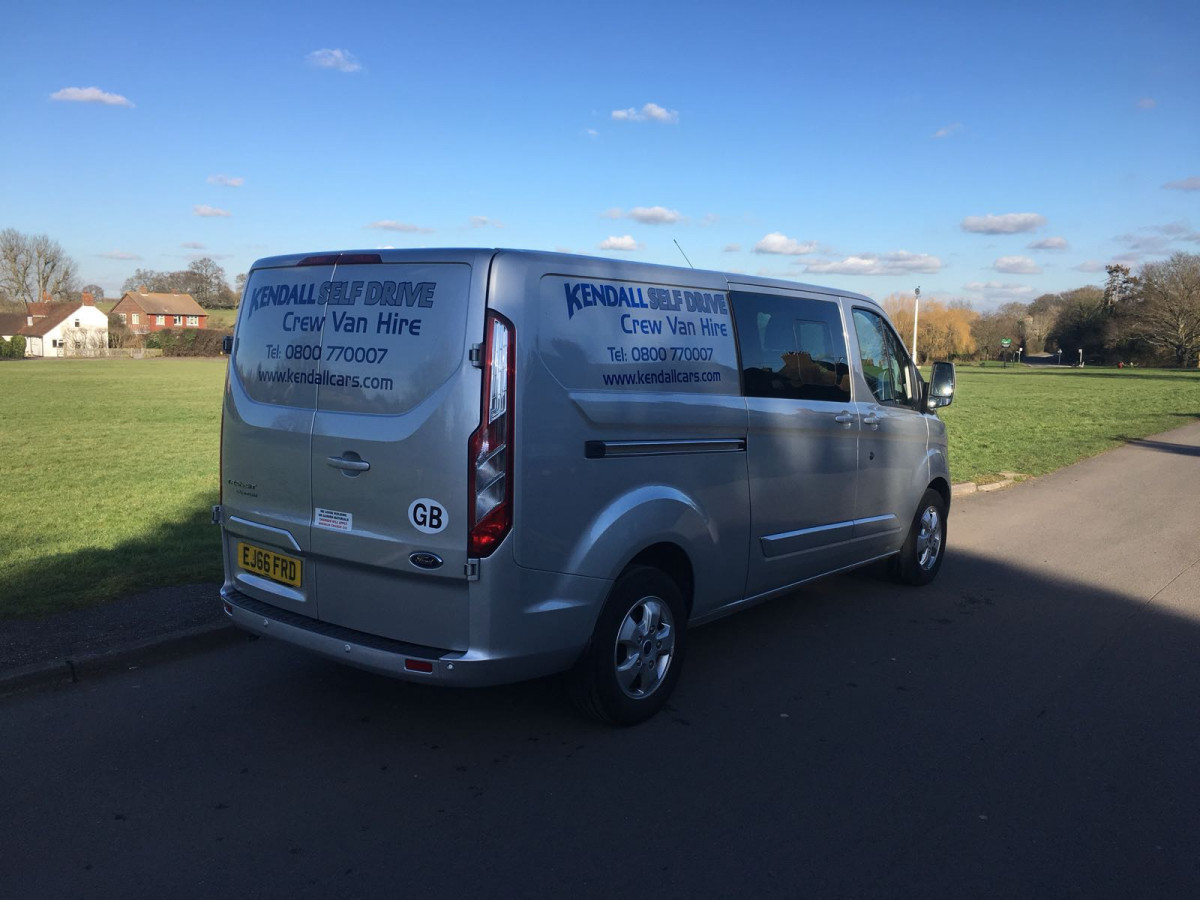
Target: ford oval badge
{"type": "Point", "coordinates": [425, 560]}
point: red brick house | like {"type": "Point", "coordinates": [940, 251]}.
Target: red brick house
{"type": "Point", "coordinates": [144, 311]}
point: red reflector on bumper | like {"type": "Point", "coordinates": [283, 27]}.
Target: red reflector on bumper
{"type": "Point", "coordinates": [418, 665]}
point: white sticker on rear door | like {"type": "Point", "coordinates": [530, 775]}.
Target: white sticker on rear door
{"type": "Point", "coordinates": [333, 520]}
{"type": "Point", "coordinates": [428, 516]}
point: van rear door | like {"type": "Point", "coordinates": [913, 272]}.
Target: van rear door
{"type": "Point", "coordinates": [266, 434]}
{"type": "Point", "coordinates": [396, 402]}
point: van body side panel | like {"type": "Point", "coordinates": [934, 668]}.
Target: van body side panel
{"type": "Point", "coordinates": [622, 379]}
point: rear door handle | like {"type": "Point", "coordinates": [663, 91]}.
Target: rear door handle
{"type": "Point", "coordinates": [846, 419]}
{"type": "Point", "coordinates": [871, 421]}
{"type": "Point", "coordinates": [350, 465]}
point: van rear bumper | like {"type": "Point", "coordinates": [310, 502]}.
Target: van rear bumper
{"type": "Point", "coordinates": [383, 656]}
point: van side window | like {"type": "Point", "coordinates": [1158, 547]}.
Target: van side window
{"type": "Point", "coordinates": [791, 347]}
{"type": "Point", "coordinates": [886, 365]}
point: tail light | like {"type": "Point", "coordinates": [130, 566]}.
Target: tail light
{"type": "Point", "coordinates": [491, 446]}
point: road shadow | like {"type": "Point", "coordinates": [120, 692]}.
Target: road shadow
{"type": "Point", "coordinates": [997, 733]}
{"type": "Point", "coordinates": [1163, 446]}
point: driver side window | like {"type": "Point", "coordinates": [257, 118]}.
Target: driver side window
{"type": "Point", "coordinates": [886, 365]}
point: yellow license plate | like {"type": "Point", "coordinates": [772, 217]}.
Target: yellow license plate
{"type": "Point", "coordinates": [268, 564]}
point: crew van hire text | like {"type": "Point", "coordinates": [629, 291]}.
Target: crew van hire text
{"type": "Point", "coordinates": [344, 293]}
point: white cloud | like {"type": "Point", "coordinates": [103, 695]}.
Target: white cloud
{"type": "Point", "coordinates": [709, 220]}
{"type": "Point", "coordinates": [732, 248]}
{"type": "Point", "coordinates": [90, 95]}
{"type": "Point", "coordinates": [1017, 265]}
{"type": "Point", "coordinates": [592, 133]}
{"type": "Point", "coordinates": [776, 242]}
{"type": "Point", "coordinates": [1184, 184]}
{"type": "Point", "coordinates": [649, 112]}
{"type": "Point", "coordinates": [209, 212]}
{"type": "Point", "coordinates": [1050, 243]}
{"type": "Point", "coordinates": [996, 291]}
{"type": "Point", "coordinates": [227, 180]}
{"type": "Point", "coordinates": [192, 245]}
{"type": "Point", "coordinates": [393, 225]}
{"type": "Point", "coordinates": [1147, 103]}
{"type": "Point", "coordinates": [119, 254]}
{"type": "Point", "coordinates": [948, 130]}
{"type": "Point", "coordinates": [655, 215]}
{"type": "Point", "coordinates": [1009, 223]}
{"type": "Point", "coordinates": [626, 242]}
{"type": "Point", "coordinates": [614, 213]}
{"type": "Point", "coordinates": [899, 262]}
{"type": "Point", "coordinates": [340, 60]}
{"type": "Point", "coordinates": [484, 222]}
{"type": "Point", "coordinates": [1091, 265]}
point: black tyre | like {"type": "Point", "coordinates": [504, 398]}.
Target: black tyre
{"type": "Point", "coordinates": [632, 664]}
{"type": "Point", "coordinates": [921, 556]}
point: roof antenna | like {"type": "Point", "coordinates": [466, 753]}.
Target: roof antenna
{"type": "Point", "coordinates": [684, 255]}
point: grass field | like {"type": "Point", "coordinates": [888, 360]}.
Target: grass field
{"type": "Point", "coordinates": [109, 467]}
{"type": "Point", "coordinates": [1033, 421]}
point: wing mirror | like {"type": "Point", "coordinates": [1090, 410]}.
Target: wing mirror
{"type": "Point", "coordinates": [227, 344]}
{"type": "Point", "coordinates": [940, 390]}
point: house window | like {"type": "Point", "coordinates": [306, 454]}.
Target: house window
{"type": "Point", "coordinates": [76, 323]}
{"type": "Point", "coordinates": [179, 320]}
{"type": "Point", "coordinates": [56, 343]}
{"type": "Point", "coordinates": [160, 320]}
{"type": "Point", "coordinates": [193, 321]}
{"type": "Point", "coordinates": [137, 319]}
{"type": "Point", "coordinates": [121, 316]}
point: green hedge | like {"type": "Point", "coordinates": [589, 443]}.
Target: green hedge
{"type": "Point", "coordinates": [14, 349]}
{"type": "Point", "coordinates": [187, 341]}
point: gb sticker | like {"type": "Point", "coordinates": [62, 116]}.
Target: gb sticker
{"type": "Point", "coordinates": [428, 516]}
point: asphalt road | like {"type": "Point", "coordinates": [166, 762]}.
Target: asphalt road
{"type": "Point", "coordinates": [1027, 726]}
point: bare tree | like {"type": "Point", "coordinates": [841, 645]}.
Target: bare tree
{"type": "Point", "coordinates": [81, 341]}
{"type": "Point", "coordinates": [1168, 316]}
{"type": "Point", "coordinates": [34, 267]}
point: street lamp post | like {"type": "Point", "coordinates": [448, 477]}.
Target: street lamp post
{"type": "Point", "coordinates": [916, 311]}
{"type": "Point", "coordinates": [1060, 356]}
{"type": "Point", "coordinates": [1081, 357]}
{"type": "Point", "coordinates": [1020, 350]}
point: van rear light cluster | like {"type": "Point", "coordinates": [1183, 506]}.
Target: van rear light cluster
{"type": "Point", "coordinates": [490, 447]}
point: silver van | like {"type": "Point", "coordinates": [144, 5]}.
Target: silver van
{"type": "Point", "coordinates": [471, 467]}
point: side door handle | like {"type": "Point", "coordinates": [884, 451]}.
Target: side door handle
{"type": "Point", "coordinates": [349, 464]}
{"type": "Point", "coordinates": [845, 419]}
{"type": "Point", "coordinates": [871, 421]}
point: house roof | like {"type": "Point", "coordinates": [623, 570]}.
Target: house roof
{"type": "Point", "coordinates": [161, 304]}
{"type": "Point", "coordinates": [12, 323]}
{"type": "Point", "coordinates": [48, 317]}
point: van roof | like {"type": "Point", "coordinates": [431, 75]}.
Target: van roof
{"type": "Point", "coordinates": [547, 257]}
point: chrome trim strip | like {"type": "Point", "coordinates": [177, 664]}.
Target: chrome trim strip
{"type": "Point", "coordinates": [873, 525]}
{"type": "Point", "coordinates": [608, 449]}
{"type": "Point", "coordinates": [805, 539]}
{"type": "Point", "coordinates": [268, 533]}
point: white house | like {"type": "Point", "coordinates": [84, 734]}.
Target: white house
{"type": "Point", "coordinates": [65, 329]}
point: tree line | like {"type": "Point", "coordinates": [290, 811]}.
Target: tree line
{"type": "Point", "coordinates": [1148, 318]}
{"type": "Point", "coordinates": [35, 267]}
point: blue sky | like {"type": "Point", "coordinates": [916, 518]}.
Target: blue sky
{"type": "Point", "coordinates": [984, 152]}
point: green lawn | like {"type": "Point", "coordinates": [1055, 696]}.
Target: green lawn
{"type": "Point", "coordinates": [1034, 421]}
{"type": "Point", "coordinates": [109, 467]}
{"type": "Point", "coordinates": [109, 473]}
